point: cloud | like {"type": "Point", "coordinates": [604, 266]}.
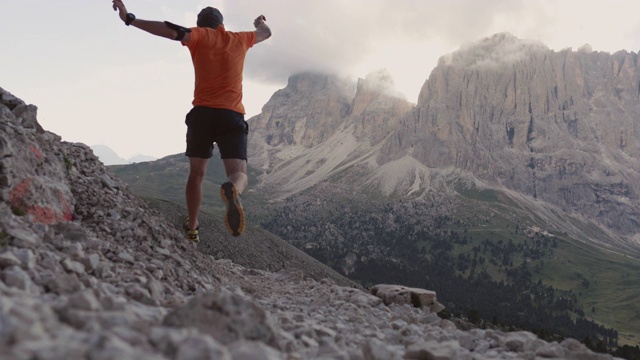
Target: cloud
{"type": "Point", "coordinates": [94, 74]}
{"type": "Point", "coordinates": [338, 36]}
{"type": "Point", "coordinates": [499, 49]}
{"type": "Point", "coordinates": [323, 36]}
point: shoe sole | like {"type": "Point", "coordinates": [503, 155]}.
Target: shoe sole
{"type": "Point", "coordinates": [194, 238]}
{"type": "Point", "coordinates": [234, 217]}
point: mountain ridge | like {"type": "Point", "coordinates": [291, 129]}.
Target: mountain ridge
{"type": "Point", "coordinates": [552, 126]}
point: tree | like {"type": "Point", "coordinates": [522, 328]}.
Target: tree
{"type": "Point", "coordinates": [474, 316]}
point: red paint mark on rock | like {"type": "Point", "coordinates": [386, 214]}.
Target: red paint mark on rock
{"type": "Point", "coordinates": [67, 213]}
{"type": "Point", "coordinates": [18, 192]}
{"type": "Point", "coordinates": [36, 151]}
{"type": "Point", "coordinates": [44, 215]}
{"type": "Point", "coordinates": [41, 214]}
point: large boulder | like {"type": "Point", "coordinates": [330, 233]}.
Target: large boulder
{"type": "Point", "coordinates": [402, 295]}
{"type": "Point", "coordinates": [226, 316]}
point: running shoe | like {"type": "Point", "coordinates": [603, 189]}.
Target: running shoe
{"type": "Point", "coordinates": [234, 217]}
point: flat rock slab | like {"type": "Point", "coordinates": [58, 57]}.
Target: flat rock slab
{"type": "Point", "coordinates": [402, 295]}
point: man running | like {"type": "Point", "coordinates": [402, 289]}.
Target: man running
{"type": "Point", "coordinates": [218, 114]}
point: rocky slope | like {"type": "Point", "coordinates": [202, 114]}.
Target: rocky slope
{"type": "Point", "coordinates": [257, 248]}
{"type": "Point", "coordinates": [89, 271]}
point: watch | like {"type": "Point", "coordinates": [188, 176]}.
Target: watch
{"type": "Point", "coordinates": [130, 18]}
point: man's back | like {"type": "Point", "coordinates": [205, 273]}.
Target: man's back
{"type": "Point", "coordinates": [218, 59]}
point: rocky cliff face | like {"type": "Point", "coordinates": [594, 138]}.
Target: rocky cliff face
{"type": "Point", "coordinates": [561, 127]}
{"type": "Point", "coordinates": [88, 271]}
{"type": "Point", "coordinates": [306, 112]}
{"type": "Point", "coordinates": [376, 108]}
{"type": "Point", "coordinates": [318, 125]}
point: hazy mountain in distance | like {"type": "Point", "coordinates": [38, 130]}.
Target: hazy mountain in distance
{"type": "Point", "coordinates": [110, 157]}
{"type": "Point", "coordinates": [141, 158]}
{"type": "Point", "coordinates": [107, 156]}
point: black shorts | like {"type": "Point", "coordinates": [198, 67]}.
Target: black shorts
{"type": "Point", "coordinates": [225, 127]}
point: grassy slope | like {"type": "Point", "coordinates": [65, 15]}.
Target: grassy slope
{"type": "Point", "coordinates": [613, 285]}
{"type": "Point", "coordinates": [608, 281]}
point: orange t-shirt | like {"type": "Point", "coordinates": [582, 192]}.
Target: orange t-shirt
{"type": "Point", "coordinates": [218, 59]}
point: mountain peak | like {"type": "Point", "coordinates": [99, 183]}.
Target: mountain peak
{"type": "Point", "coordinates": [307, 111]}
{"type": "Point", "coordinates": [379, 82]}
{"type": "Point", "coordinates": [315, 81]}
{"type": "Point", "coordinates": [499, 49]}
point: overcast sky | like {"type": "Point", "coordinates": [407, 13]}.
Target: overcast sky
{"type": "Point", "coordinates": [97, 81]}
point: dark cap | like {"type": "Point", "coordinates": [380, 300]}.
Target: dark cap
{"type": "Point", "coordinates": [209, 17]}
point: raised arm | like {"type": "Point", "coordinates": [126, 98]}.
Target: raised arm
{"type": "Point", "coordinates": [158, 28]}
{"type": "Point", "coordinates": [262, 30]}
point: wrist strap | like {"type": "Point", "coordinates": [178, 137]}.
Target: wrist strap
{"type": "Point", "coordinates": [129, 19]}
{"type": "Point", "coordinates": [181, 30]}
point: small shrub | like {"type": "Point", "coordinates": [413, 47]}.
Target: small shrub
{"type": "Point", "coordinates": [4, 239]}
{"type": "Point", "coordinates": [474, 316]}
{"type": "Point", "coordinates": [68, 163]}
{"type": "Point", "coordinates": [444, 314]}
{"type": "Point", "coordinates": [18, 211]}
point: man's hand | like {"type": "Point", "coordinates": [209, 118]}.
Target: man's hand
{"type": "Point", "coordinates": [262, 30]}
{"type": "Point", "coordinates": [119, 6]}
{"type": "Point", "coordinates": [259, 20]}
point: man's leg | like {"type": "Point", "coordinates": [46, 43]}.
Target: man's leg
{"type": "Point", "coordinates": [236, 170]}
{"type": "Point", "coordinates": [230, 191]}
{"type": "Point", "coordinates": [197, 170]}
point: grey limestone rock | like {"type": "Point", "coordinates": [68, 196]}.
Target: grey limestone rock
{"type": "Point", "coordinates": [226, 316]}
{"type": "Point", "coordinates": [8, 259]}
{"type": "Point", "coordinates": [404, 295]}
{"type": "Point", "coordinates": [15, 277]}
{"type": "Point", "coordinates": [198, 347]}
